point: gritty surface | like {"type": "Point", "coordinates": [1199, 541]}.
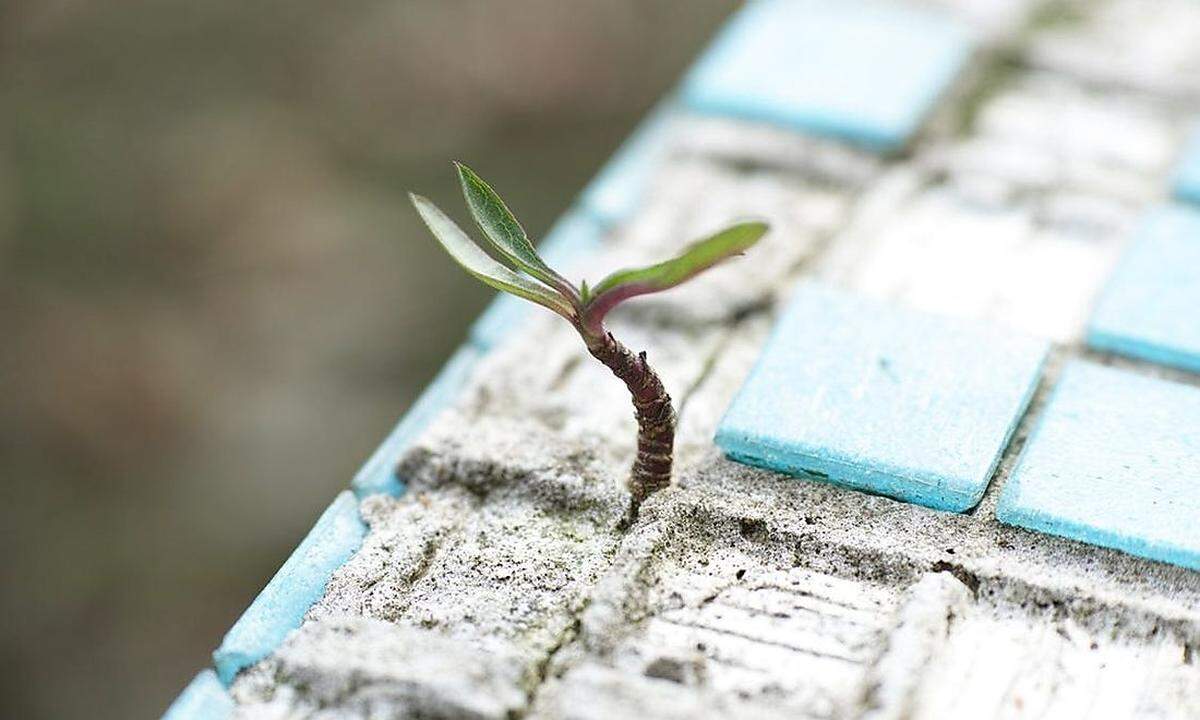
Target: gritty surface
{"type": "Point", "coordinates": [499, 587]}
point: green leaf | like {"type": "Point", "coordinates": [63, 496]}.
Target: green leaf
{"type": "Point", "coordinates": [506, 234]}
{"type": "Point", "coordinates": [475, 261]}
{"type": "Point", "coordinates": [697, 258]}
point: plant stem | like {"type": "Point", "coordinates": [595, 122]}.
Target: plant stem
{"type": "Point", "coordinates": [655, 417]}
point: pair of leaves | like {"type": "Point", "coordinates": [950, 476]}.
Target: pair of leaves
{"type": "Point", "coordinates": [506, 236]}
{"type": "Point", "coordinates": [482, 265]}
{"type": "Point", "coordinates": [544, 285]}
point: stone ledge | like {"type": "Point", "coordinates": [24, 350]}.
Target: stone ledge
{"type": "Point", "coordinates": [505, 547]}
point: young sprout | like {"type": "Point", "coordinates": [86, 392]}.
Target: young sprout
{"type": "Point", "coordinates": [527, 276]}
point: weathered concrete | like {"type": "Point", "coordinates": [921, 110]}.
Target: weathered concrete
{"type": "Point", "coordinates": [1106, 44]}
{"type": "Point", "coordinates": [1020, 220]}
{"type": "Point", "coordinates": [499, 586]}
{"type": "Point", "coordinates": [369, 668]}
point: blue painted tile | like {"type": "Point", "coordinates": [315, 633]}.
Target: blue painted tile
{"type": "Point", "coordinates": [864, 72]}
{"type": "Point", "coordinates": [1187, 175]}
{"type": "Point", "coordinates": [883, 399]}
{"type": "Point", "coordinates": [378, 475]}
{"type": "Point", "coordinates": [204, 698]}
{"type": "Point", "coordinates": [1150, 308]}
{"type": "Point", "coordinates": [280, 607]}
{"type": "Point", "coordinates": [617, 190]}
{"type": "Point", "coordinates": [1114, 461]}
{"type": "Point", "coordinates": [574, 237]}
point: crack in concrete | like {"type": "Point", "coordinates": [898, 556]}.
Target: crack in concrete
{"type": "Point", "coordinates": [542, 670]}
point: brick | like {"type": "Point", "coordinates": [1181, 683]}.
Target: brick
{"type": "Point", "coordinates": [1113, 462]}
{"type": "Point", "coordinates": [912, 406]}
{"type": "Point", "coordinates": [384, 670]}
{"type": "Point", "coordinates": [300, 582]}
{"type": "Point", "coordinates": [204, 698]}
{"type": "Point", "coordinates": [862, 72]}
{"type": "Point", "coordinates": [935, 249]}
{"type": "Point", "coordinates": [1150, 306]}
{"type": "Point", "coordinates": [1062, 133]}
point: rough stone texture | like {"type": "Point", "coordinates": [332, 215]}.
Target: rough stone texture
{"type": "Point", "coordinates": [742, 626]}
{"type": "Point", "coordinates": [355, 665]}
{"type": "Point", "coordinates": [499, 585]}
{"type": "Point", "coordinates": [1107, 43]}
{"type": "Point", "coordinates": [922, 626]}
{"type": "Point", "coordinates": [1020, 220]}
{"type": "Point", "coordinates": [992, 666]}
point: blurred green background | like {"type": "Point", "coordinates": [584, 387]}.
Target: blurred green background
{"type": "Point", "coordinates": [215, 299]}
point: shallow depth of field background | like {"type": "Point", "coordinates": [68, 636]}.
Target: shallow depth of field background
{"type": "Point", "coordinates": [215, 299]}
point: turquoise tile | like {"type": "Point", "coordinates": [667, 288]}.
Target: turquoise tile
{"type": "Point", "coordinates": [281, 606]}
{"type": "Point", "coordinates": [882, 399]}
{"type": "Point", "coordinates": [1187, 174]}
{"type": "Point", "coordinates": [1114, 461]}
{"type": "Point", "coordinates": [378, 475]}
{"type": "Point", "coordinates": [573, 238]}
{"type": "Point", "coordinates": [204, 698]}
{"type": "Point", "coordinates": [618, 189]}
{"type": "Point", "coordinates": [864, 72]}
{"type": "Point", "coordinates": [1150, 308]}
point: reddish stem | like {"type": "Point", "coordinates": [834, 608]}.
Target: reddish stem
{"type": "Point", "coordinates": [651, 470]}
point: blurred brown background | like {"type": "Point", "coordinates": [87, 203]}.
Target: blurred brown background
{"type": "Point", "coordinates": [215, 299]}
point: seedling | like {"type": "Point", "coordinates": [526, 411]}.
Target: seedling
{"type": "Point", "coordinates": [527, 276]}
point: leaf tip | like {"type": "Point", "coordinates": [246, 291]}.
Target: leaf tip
{"type": "Point", "coordinates": [749, 232]}
{"type": "Point", "coordinates": [465, 173]}
{"type": "Point", "coordinates": [757, 227]}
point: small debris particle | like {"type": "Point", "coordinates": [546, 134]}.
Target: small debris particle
{"type": "Point", "coordinates": [752, 529]}
{"type": "Point", "coordinates": [665, 668]}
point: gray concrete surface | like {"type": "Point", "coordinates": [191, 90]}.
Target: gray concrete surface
{"type": "Point", "coordinates": [500, 587]}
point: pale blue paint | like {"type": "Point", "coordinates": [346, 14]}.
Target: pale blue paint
{"type": "Point", "coordinates": [205, 698]}
{"type": "Point", "coordinates": [882, 399]}
{"type": "Point", "coordinates": [618, 189]}
{"type": "Point", "coordinates": [1114, 461]}
{"type": "Point", "coordinates": [1150, 308]}
{"type": "Point", "coordinates": [1187, 174]}
{"type": "Point", "coordinates": [378, 475]}
{"type": "Point", "coordinates": [574, 237]}
{"type": "Point", "coordinates": [281, 605]}
{"type": "Point", "coordinates": [860, 71]}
